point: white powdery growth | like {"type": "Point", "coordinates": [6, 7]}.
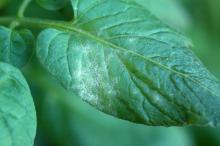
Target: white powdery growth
{"type": "Point", "coordinates": [91, 78]}
{"type": "Point", "coordinates": [83, 81]}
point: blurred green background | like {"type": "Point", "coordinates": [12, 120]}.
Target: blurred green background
{"type": "Point", "coordinates": [64, 120]}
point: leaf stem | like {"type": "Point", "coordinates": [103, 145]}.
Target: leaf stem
{"type": "Point", "coordinates": [22, 8]}
{"type": "Point", "coordinates": [33, 22]}
{"type": "Point", "coordinates": [20, 14]}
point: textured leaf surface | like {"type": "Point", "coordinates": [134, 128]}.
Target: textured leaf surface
{"type": "Point", "coordinates": [17, 113]}
{"type": "Point", "coordinates": [122, 60]}
{"type": "Point", "coordinates": [15, 47]}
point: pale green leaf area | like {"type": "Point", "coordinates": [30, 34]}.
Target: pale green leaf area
{"type": "Point", "coordinates": [15, 46]}
{"type": "Point", "coordinates": [17, 112]}
{"type": "Point", "coordinates": [122, 60]}
{"type": "Point", "coordinates": [169, 11]}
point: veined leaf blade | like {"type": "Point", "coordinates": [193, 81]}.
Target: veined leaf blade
{"type": "Point", "coordinates": [125, 62]}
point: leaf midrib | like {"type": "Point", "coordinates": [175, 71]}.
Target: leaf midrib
{"type": "Point", "coordinates": [69, 27]}
{"type": "Point", "coordinates": [98, 39]}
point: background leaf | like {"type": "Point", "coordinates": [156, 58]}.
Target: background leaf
{"type": "Point", "coordinates": [16, 47]}
{"type": "Point", "coordinates": [17, 112]}
{"type": "Point", "coordinates": [122, 60]}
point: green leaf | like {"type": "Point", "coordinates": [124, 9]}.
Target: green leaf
{"type": "Point", "coordinates": [17, 112]}
{"type": "Point", "coordinates": [52, 4]}
{"type": "Point", "coordinates": [15, 46]}
{"type": "Point", "coordinates": [123, 61]}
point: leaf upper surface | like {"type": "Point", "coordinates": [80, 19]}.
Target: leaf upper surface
{"type": "Point", "coordinates": [17, 112]}
{"type": "Point", "coordinates": [125, 62]}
